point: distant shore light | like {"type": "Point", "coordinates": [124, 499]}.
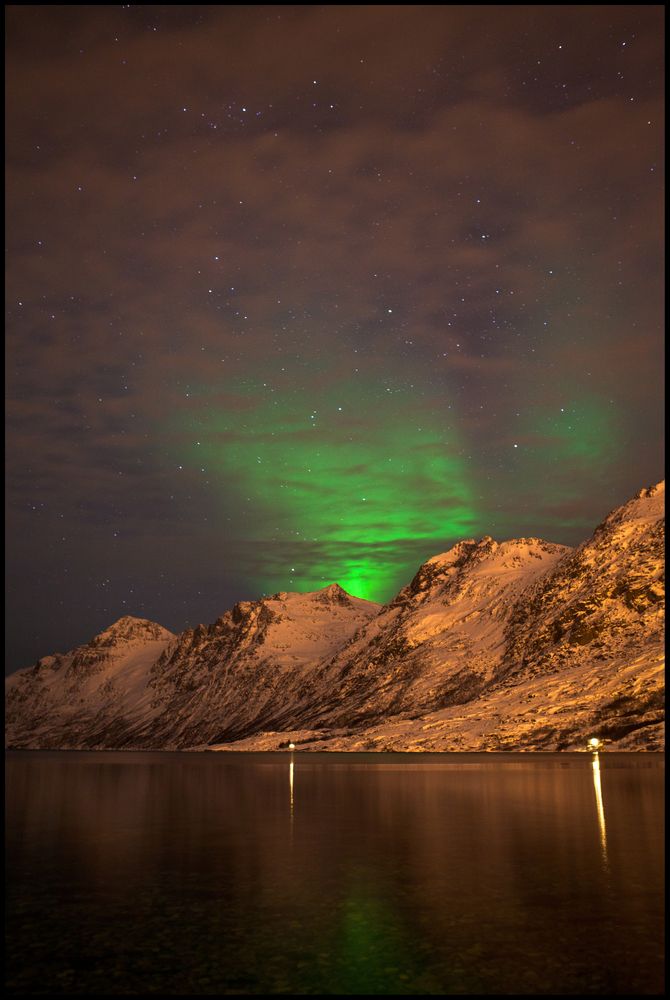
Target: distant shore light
{"type": "Point", "coordinates": [594, 743]}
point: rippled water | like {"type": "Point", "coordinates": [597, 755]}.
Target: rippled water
{"type": "Point", "coordinates": [335, 873]}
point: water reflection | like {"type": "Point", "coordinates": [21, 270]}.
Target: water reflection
{"type": "Point", "coordinates": [406, 874]}
{"type": "Point", "coordinates": [599, 806]}
{"type": "Point", "coordinates": [290, 782]}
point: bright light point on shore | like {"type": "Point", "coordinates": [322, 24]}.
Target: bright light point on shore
{"type": "Point", "coordinates": [291, 746]}
{"type": "Point", "coordinates": [594, 743]}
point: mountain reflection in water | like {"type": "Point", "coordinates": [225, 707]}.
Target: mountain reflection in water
{"type": "Point", "coordinates": [390, 874]}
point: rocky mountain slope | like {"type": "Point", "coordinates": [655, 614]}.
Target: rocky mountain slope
{"type": "Point", "coordinates": [582, 653]}
{"type": "Point", "coordinates": [521, 644]}
{"type": "Point", "coordinates": [137, 685]}
{"type": "Point", "coordinates": [440, 642]}
{"type": "Point", "coordinates": [603, 602]}
{"type": "Point", "coordinates": [93, 695]}
{"type": "Point", "coordinates": [251, 667]}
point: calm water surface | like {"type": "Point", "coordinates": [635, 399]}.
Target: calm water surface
{"type": "Point", "coordinates": [335, 873]}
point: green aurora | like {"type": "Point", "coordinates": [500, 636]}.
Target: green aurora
{"type": "Point", "coordinates": [322, 491]}
{"type": "Point", "coordinates": [583, 434]}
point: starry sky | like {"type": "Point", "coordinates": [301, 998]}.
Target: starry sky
{"type": "Point", "coordinates": [302, 294]}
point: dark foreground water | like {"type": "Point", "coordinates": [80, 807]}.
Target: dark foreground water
{"type": "Point", "coordinates": [335, 873]}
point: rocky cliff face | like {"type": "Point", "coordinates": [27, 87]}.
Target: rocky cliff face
{"type": "Point", "coordinates": [252, 667]}
{"type": "Point", "coordinates": [94, 695]}
{"type": "Point", "coordinates": [137, 685]}
{"type": "Point", "coordinates": [440, 641]}
{"type": "Point", "coordinates": [604, 602]}
{"type": "Point", "coordinates": [521, 644]}
{"type": "Point", "coordinates": [572, 651]}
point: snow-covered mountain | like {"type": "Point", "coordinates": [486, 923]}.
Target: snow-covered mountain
{"type": "Point", "coordinates": [250, 668]}
{"type": "Point", "coordinates": [138, 685]}
{"type": "Point", "coordinates": [94, 695]}
{"type": "Point", "coordinates": [605, 601]}
{"type": "Point", "coordinates": [571, 651]}
{"type": "Point", "coordinates": [439, 642]}
{"type": "Point", "coordinates": [522, 644]}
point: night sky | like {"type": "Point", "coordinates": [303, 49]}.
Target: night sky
{"type": "Point", "coordinates": [307, 294]}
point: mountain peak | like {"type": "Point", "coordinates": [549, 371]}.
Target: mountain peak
{"type": "Point", "coordinates": [463, 550]}
{"type": "Point", "coordinates": [468, 555]}
{"type": "Point", "coordinates": [129, 621]}
{"type": "Point", "coordinates": [647, 501]}
{"type": "Point", "coordinates": [128, 628]}
{"type": "Point", "coordinates": [651, 491]}
{"type": "Point", "coordinates": [647, 506]}
{"type": "Point", "coordinates": [333, 594]}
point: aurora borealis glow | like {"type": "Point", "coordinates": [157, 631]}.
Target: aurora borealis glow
{"type": "Point", "coordinates": [329, 479]}
{"type": "Point", "coordinates": [307, 294]}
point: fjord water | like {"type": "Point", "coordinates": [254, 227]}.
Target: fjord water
{"type": "Point", "coordinates": [296, 873]}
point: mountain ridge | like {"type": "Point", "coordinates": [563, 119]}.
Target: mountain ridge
{"type": "Point", "coordinates": [484, 634]}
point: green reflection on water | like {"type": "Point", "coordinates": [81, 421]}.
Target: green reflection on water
{"type": "Point", "coordinates": [373, 951]}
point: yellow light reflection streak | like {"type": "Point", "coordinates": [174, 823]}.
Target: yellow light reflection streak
{"type": "Point", "coordinates": [290, 782]}
{"type": "Point", "coordinates": [599, 806]}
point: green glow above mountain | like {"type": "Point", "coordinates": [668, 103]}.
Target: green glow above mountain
{"type": "Point", "coordinates": [584, 432]}
{"type": "Point", "coordinates": [346, 484]}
